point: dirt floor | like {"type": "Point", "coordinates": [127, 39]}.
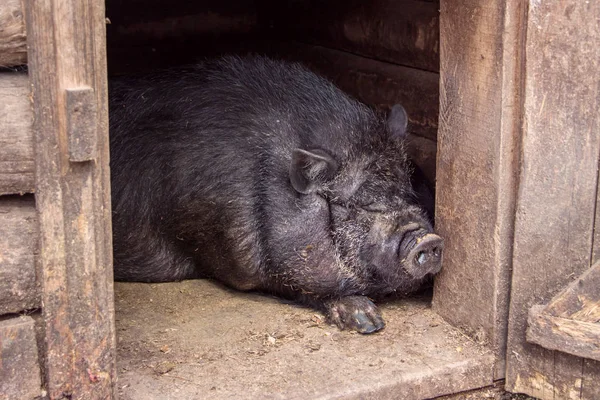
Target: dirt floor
{"type": "Point", "coordinates": [196, 339]}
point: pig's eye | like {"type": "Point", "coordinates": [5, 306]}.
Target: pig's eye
{"type": "Point", "coordinates": [340, 211]}
{"type": "Point", "coordinates": [374, 207]}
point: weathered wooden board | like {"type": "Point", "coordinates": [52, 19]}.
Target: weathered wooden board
{"type": "Point", "coordinates": [18, 247]}
{"type": "Point", "coordinates": [404, 32]}
{"type": "Point", "coordinates": [596, 239]}
{"type": "Point", "coordinates": [16, 136]}
{"type": "Point", "coordinates": [579, 338]}
{"type": "Point", "coordinates": [376, 83]}
{"type": "Point", "coordinates": [13, 44]}
{"type": "Point", "coordinates": [67, 53]}
{"type": "Point", "coordinates": [423, 153]}
{"type": "Point", "coordinates": [558, 192]}
{"type": "Point", "coordinates": [571, 321]}
{"type": "Point", "coordinates": [589, 388]}
{"type": "Point", "coordinates": [19, 368]}
{"type": "Point", "coordinates": [477, 164]}
{"type": "Point", "coordinates": [134, 22]}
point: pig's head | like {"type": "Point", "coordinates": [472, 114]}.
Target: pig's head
{"type": "Point", "coordinates": [380, 231]}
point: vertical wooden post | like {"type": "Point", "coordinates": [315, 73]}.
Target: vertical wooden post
{"type": "Point", "coordinates": [554, 227]}
{"type": "Point", "coordinates": [477, 164]}
{"type": "Point", "coordinates": [66, 44]}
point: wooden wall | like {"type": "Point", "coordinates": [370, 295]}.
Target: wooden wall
{"type": "Point", "coordinates": [56, 307]}
{"type": "Point", "coordinates": [556, 217]}
{"type": "Point", "coordinates": [478, 145]}
{"type": "Point", "coordinates": [20, 292]}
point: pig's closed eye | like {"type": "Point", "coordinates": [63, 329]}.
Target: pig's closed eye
{"type": "Point", "coordinates": [339, 210]}
{"type": "Point", "coordinates": [374, 207]}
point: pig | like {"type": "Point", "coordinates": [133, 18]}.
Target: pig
{"type": "Point", "coordinates": [266, 177]}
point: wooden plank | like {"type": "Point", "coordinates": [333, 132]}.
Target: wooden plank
{"type": "Point", "coordinates": [557, 194]}
{"type": "Point", "coordinates": [596, 243]}
{"type": "Point", "coordinates": [477, 164]}
{"type": "Point", "coordinates": [376, 83]}
{"type": "Point", "coordinates": [404, 32]}
{"type": "Point", "coordinates": [571, 321]}
{"type": "Point", "coordinates": [19, 368]}
{"type": "Point", "coordinates": [579, 338]}
{"type": "Point", "coordinates": [16, 136]}
{"type": "Point", "coordinates": [18, 247]}
{"type": "Point", "coordinates": [589, 387]}
{"type": "Point", "coordinates": [67, 51]}
{"type": "Point", "coordinates": [423, 153]}
{"type": "Point", "coordinates": [13, 44]}
{"type": "Point", "coordinates": [206, 12]}
{"type": "Point", "coordinates": [134, 23]}
{"type": "Point", "coordinates": [580, 300]}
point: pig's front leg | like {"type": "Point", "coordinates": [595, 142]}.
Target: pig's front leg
{"type": "Point", "coordinates": [355, 313]}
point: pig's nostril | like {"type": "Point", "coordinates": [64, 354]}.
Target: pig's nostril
{"type": "Point", "coordinates": [421, 257]}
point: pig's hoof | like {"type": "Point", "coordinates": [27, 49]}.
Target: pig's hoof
{"type": "Point", "coordinates": [355, 312]}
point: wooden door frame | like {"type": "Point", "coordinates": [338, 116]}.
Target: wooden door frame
{"type": "Point", "coordinates": [67, 69]}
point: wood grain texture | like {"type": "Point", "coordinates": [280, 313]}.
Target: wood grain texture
{"type": "Point", "coordinates": [13, 43]}
{"type": "Point", "coordinates": [81, 123]}
{"type": "Point", "coordinates": [19, 369]}
{"type": "Point", "coordinates": [67, 51]}
{"type": "Point", "coordinates": [596, 239]}
{"type": "Point", "coordinates": [558, 192]}
{"type": "Point", "coordinates": [581, 299]}
{"type": "Point", "coordinates": [590, 374]}
{"type": "Point", "coordinates": [477, 165]}
{"type": "Point", "coordinates": [16, 136]}
{"type": "Point", "coordinates": [423, 153]}
{"type": "Point", "coordinates": [18, 252]}
{"type": "Point", "coordinates": [404, 32]}
{"type": "Point", "coordinates": [568, 335]}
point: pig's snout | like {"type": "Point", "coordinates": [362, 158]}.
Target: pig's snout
{"type": "Point", "coordinates": [422, 253]}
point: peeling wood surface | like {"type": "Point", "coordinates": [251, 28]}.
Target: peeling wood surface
{"type": "Point", "coordinates": [568, 335]}
{"type": "Point", "coordinates": [581, 299]}
{"type": "Point", "coordinates": [18, 247]}
{"type": "Point", "coordinates": [16, 137]}
{"type": "Point", "coordinates": [477, 164]}
{"type": "Point", "coordinates": [19, 369]}
{"type": "Point", "coordinates": [571, 321]}
{"type": "Point", "coordinates": [13, 44]}
{"type": "Point", "coordinates": [557, 195]}
{"type": "Point", "coordinates": [404, 32]}
{"type": "Point", "coordinates": [67, 51]}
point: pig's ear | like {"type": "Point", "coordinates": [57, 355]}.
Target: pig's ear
{"type": "Point", "coordinates": [311, 169]}
{"type": "Point", "coordinates": [397, 122]}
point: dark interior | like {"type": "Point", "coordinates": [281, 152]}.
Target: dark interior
{"type": "Point", "coordinates": [382, 52]}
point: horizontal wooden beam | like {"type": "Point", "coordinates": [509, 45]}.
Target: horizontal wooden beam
{"type": "Point", "coordinates": [18, 246]}
{"type": "Point", "coordinates": [404, 32]}
{"type": "Point", "coordinates": [13, 46]}
{"type": "Point", "coordinates": [571, 336]}
{"type": "Point", "coordinates": [570, 322]}
{"type": "Point", "coordinates": [16, 135]}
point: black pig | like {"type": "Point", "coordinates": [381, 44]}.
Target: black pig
{"type": "Point", "coordinates": [265, 176]}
